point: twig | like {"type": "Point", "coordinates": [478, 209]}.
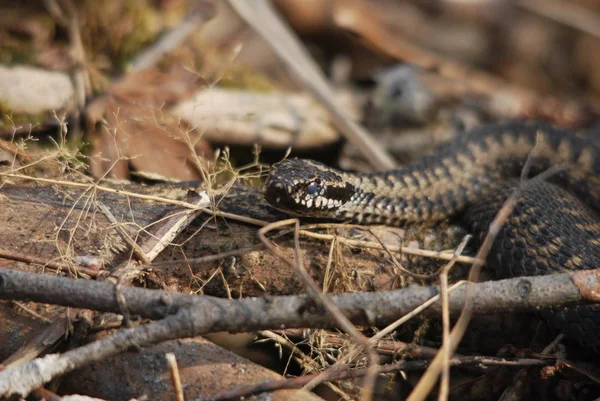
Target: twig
{"type": "Point", "coordinates": [325, 237]}
{"type": "Point", "coordinates": [137, 251]}
{"type": "Point", "coordinates": [386, 347]}
{"type": "Point", "coordinates": [260, 15]}
{"type": "Point", "coordinates": [302, 358]}
{"type": "Point", "coordinates": [161, 234]}
{"type": "Point", "coordinates": [208, 258]}
{"type": "Point", "coordinates": [398, 265]}
{"type": "Point", "coordinates": [198, 315]}
{"type": "Point", "coordinates": [408, 366]}
{"type": "Point", "coordinates": [375, 245]}
{"type": "Point", "coordinates": [21, 257]}
{"type": "Point", "coordinates": [174, 370]}
{"type": "Point", "coordinates": [201, 13]}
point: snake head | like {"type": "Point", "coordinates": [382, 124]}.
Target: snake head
{"type": "Point", "coordinates": [306, 188]}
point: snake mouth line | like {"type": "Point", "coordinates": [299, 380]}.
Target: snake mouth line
{"type": "Point", "coordinates": [294, 199]}
{"type": "Point", "coordinates": [306, 188]}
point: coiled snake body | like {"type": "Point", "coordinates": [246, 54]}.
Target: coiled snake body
{"type": "Point", "coordinates": [554, 227]}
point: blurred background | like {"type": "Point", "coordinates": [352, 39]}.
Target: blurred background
{"type": "Point", "coordinates": [146, 87]}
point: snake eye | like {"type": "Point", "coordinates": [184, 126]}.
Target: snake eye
{"type": "Point", "coordinates": [312, 188]}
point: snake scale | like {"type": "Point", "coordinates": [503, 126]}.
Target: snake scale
{"type": "Point", "coordinates": [554, 226]}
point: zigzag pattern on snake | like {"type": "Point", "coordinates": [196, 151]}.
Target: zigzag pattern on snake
{"type": "Point", "coordinates": [554, 227]}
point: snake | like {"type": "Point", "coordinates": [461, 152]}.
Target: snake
{"type": "Point", "coordinates": [554, 226]}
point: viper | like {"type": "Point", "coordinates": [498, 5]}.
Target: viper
{"type": "Point", "coordinates": [553, 227]}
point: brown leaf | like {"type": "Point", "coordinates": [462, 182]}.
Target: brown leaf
{"type": "Point", "coordinates": [134, 129]}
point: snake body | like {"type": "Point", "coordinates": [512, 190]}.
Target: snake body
{"type": "Point", "coordinates": [554, 226]}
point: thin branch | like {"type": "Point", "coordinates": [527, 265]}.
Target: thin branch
{"type": "Point", "coordinates": [407, 366]}
{"type": "Point", "coordinates": [32, 259]}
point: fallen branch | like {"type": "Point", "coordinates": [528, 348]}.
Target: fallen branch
{"type": "Point", "coordinates": [193, 315]}
{"type": "Point", "coordinates": [249, 314]}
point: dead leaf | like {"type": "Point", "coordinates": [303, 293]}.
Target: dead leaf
{"type": "Point", "coordinates": [133, 128]}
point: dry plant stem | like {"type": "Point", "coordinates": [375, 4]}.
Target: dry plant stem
{"type": "Point", "coordinates": [137, 251]}
{"type": "Point", "coordinates": [174, 371]}
{"type": "Point", "coordinates": [446, 351]}
{"type": "Point", "coordinates": [202, 12]}
{"type": "Point", "coordinates": [376, 245]}
{"type": "Point", "coordinates": [314, 292]}
{"type": "Point", "coordinates": [170, 226]}
{"type": "Point", "coordinates": [387, 347]}
{"type": "Point", "coordinates": [374, 341]}
{"type": "Point", "coordinates": [388, 330]}
{"type": "Point", "coordinates": [305, 361]}
{"type": "Point", "coordinates": [97, 187]}
{"type": "Point", "coordinates": [262, 18]}
{"type": "Point", "coordinates": [429, 378]}
{"type": "Point", "coordinates": [21, 257]}
{"type": "Point", "coordinates": [208, 258]}
{"type": "Point", "coordinates": [325, 237]}
{"type": "Point", "coordinates": [31, 312]}
{"type": "Point", "coordinates": [327, 274]}
{"type": "Point", "coordinates": [399, 265]}
{"type": "Point", "coordinates": [66, 16]}
{"type": "Point", "coordinates": [408, 366]}
{"type": "Point", "coordinates": [514, 391]}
